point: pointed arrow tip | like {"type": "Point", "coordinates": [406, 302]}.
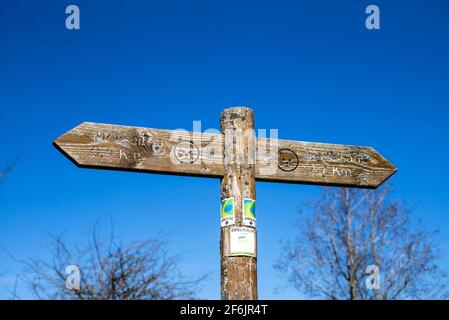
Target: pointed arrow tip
{"type": "Point", "coordinates": [65, 139]}
{"type": "Point", "coordinates": [59, 146]}
{"type": "Point", "coordinates": [391, 172]}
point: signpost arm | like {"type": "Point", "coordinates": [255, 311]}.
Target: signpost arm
{"type": "Point", "coordinates": [238, 273]}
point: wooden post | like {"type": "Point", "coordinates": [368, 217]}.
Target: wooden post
{"type": "Point", "coordinates": [238, 272]}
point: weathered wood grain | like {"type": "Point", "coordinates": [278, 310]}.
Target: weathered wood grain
{"type": "Point", "coordinates": [238, 273]}
{"type": "Point", "coordinates": [200, 154]}
{"type": "Point", "coordinates": [323, 164]}
{"type": "Point", "coordinates": [142, 149]}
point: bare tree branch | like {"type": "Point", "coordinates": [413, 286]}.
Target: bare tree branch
{"type": "Point", "coordinates": [345, 231]}
{"type": "Point", "coordinates": [7, 169]}
{"type": "Point", "coordinates": [110, 270]}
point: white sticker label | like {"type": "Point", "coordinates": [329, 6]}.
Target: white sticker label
{"type": "Point", "coordinates": [243, 242]}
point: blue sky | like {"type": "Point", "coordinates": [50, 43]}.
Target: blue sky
{"type": "Point", "coordinates": [308, 68]}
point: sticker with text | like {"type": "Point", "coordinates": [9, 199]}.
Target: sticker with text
{"type": "Point", "coordinates": [243, 242]}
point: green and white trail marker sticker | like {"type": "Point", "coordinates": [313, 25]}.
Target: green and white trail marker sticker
{"type": "Point", "coordinates": [249, 212]}
{"type": "Point", "coordinates": [227, 212]}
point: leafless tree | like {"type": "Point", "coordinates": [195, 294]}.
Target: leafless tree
{"type": "Point", "coordinates": [345, 231]}
{"type": "Point", "coordinates": [3, 173]}
{"type": "Point", "coordinates": [110, 270]}
{"type": "Point", "coordinates": [7, 169]}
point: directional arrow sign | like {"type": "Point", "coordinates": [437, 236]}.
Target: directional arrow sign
{"type": "Point", "coordinates": [201, 154]}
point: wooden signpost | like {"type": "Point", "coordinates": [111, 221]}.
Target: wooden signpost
{"type": "Point", "coordinates": [238, 158]}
